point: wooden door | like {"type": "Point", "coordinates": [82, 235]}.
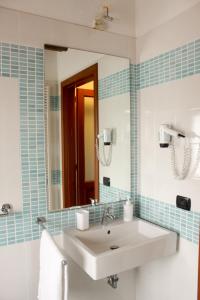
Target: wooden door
{"type": "Point", "coordinates": [68, 112]}
{"type": "Point", "coordinates": [85, 186]}
{"type": "Point", "coordinates": [71, 194]}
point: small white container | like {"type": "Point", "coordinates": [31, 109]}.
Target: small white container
{"type": "Point", "coordinates": [128, 210]}
{"type": "Point", "coordinates": [82, 219]}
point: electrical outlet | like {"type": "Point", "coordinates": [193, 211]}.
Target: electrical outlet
{"type": "Point", "coordinates": [106, 181]}
{"type": "Point", "coordinates": [183, 202]}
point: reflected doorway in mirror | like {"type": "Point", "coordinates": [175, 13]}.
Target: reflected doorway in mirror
{"type": "Point", "coordinates": [79, 118]}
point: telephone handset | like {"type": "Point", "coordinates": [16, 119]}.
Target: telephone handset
{"type": "Point", "coordinates": [105, 140]}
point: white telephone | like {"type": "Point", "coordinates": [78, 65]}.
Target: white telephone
{"type": "Point", "coordinates": [105, 140]}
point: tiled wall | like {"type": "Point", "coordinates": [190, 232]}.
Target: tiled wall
{"type": "Point", "coordinates": [186, 223]}
{"type": "Point", "coordinates": [55, 176]}
{"type": "Point", "coordinates": [115, 84]}
{"type": "Point", "coordinates": [54, 103]}
{"type": "Point", "coordinates": [112, 194]}
{"type": "Point", "coordinates": [27, 64]}
{"type": "Point", "coordinates": [134, 130]}
{"type": "Point", "coordinates": [173, 65]}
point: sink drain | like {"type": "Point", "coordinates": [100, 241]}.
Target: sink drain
{"type": "Point", "coordinates": [114, 247]}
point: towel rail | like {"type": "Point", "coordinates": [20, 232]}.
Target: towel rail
{"type": "Point", "coordinates": [40, 221]}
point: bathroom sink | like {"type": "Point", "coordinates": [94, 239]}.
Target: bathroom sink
{"type": "Point", "coordinates": [106, 250]}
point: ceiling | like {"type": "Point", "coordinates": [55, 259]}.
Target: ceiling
{"type": "Point", "coordinates": [131, 17]}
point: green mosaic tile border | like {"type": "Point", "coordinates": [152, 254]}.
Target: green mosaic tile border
{"type": "Point", "coordinates": [185, 223]}
{"type": "Point", "coordinates": [114, 84]}
{"type": "Point", "coordinates": [172, 65]}
{"type": "Point", "coordinates": [55, 177]}
{"type": "Point", "coordinates": [134, 130]}
{"type": "Point", "coordinates": [54, 103]}
{"type": "Point", "coordinates": [112, 194]}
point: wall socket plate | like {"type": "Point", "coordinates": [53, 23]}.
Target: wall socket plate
{"type": "Point", "coordinates": [106, 181]}
{"type": "Point", "coordinates": [183, 202]}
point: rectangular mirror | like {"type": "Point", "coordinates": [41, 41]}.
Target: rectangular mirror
{"type": "Point", "coordinates": [87, 101]}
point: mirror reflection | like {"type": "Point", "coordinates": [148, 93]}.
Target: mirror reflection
{"type": "Point", "coordinates": [81, 139]}
{"type": "Point", "coordinates": [79, 127]}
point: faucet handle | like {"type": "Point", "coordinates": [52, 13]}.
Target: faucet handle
{"type": "Point", "coordinates": [109, 209]}
{"type": "Point", "coordinates": [93, 201]}
{"type": "Point", "coordinates": [6, 207]}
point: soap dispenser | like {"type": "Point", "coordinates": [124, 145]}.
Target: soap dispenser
{"type": "Point", "coordinates": [128, 210]}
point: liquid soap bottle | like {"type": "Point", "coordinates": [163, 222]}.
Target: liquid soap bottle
{"type": "Point", "coordinates": [128, 210]}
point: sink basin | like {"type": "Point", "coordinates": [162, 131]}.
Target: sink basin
{"type": "Point", "coordinates": [106, 250]}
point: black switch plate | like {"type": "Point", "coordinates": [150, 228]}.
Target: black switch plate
{"type": "Point", "coordinates": [183, 202]}
{"type": "Point", "coordinates": [106, 181]}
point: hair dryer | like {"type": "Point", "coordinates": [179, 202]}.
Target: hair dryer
{"type": "Point", "coordinates": [165, 135]}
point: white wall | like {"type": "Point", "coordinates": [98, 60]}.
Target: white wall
{"type": "Point", "coordinates": [19, 277]}
{"type": "Point", "coordinates": [28, 29]}
{"type": "Point", "coordinates": [175, 102]}
{"type": "Point", "coordinates": [74, 61]}
{"type": "Point", "coordinates": [115, 113]}
{"type": "Point", "coordinates": [153, 13]}
{"type": "Point", "coordinates": [10, 158]}
{"type": "Point", "coordinates": [171, 278]}
{"type": "Point", "coordinates": [177, 32]}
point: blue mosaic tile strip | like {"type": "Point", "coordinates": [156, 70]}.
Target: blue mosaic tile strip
{"type": "Point", "coordinates": [134, 129]}
{"type": "Point", "coordinates": [57, 221]}
{"type": "Point", "coordinates": [112, 194]}
{"type": "Point", "coordinates": [172, 65]}
{"type": "Point", "coordinates": [55, 177]}
{"type": "Point", "coordinates": [54, 103]}
{"type": "Point", "coordinates": [185, 223]}
{"type": "Point", "coordinates": [115, 84]}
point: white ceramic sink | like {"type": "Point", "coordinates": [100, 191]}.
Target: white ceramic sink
{"type": "Point", "coordinates": [139, 242]}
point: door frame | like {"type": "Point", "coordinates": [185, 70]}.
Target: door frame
{"type": "Point", "coordinates": [81, 93]}
{"type": "Point", "coordinates": [84, 76]}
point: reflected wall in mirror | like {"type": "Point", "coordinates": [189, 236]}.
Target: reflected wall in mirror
{"type": "Point", "coordinates": [85, 92]}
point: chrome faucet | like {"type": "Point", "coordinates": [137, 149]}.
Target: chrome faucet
{"type": "Point", "coordinates": [107, 215]}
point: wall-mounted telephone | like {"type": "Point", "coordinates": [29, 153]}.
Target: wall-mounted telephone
{"type": "Point", "coordinates": [105, 140]}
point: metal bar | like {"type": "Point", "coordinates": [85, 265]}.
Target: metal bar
{"type": "Point", "coordinates": [40, 221]}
